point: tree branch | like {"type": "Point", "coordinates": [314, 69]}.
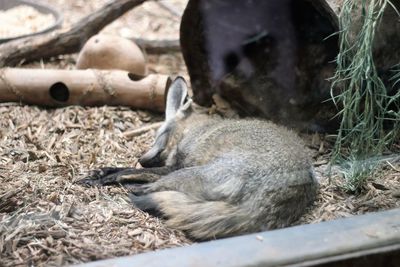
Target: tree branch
{"type": "Point", "coordinates": [64, 41]}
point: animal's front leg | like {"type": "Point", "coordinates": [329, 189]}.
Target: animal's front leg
{"type": "Point", "coordinates": [110, 175]}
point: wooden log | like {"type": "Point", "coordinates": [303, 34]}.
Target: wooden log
{"type": "Point", "coordinates": [263, 70]}
{"type": "Point", "coordinates": [281, 75]}
{"type": "Point", "coordinates": [64, 41]}
{"type": "Point", "coordinates": [90, 87]}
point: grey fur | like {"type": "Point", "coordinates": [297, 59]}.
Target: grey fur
{"type": "Point", "coordinates": [214, 177]}
{"type": "Point", "coordinates": [230, 176]}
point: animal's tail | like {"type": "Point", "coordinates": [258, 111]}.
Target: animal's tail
{"type": "Point", "coordinates": [200, 219]}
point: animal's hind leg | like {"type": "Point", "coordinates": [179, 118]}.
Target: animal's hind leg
{"type": "Point", "coordinates": [202, 182]}
{"type": "Point", "coordinates": [197, 200]}
{"type": "Point", "coordinates": [188, 180]}
{"type": "Point", "coordinates": [206, 182]}
{"type": "Point", "coordinates": [105, 176]}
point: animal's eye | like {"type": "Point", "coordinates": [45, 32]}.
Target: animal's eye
{"type": "Point", "coordinates": [186, 103]}
{"type": "Point", "coordinates": [186, 99]}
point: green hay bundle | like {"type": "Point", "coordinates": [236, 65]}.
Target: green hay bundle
{"type": "Point", "coordinates": [362, 98]}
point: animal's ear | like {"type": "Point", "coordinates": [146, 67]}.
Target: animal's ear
{"type": "Point", "coordinates": [177, 94]}
{"type": "Point", "coordinates": [177, 102]}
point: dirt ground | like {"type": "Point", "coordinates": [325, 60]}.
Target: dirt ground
{"type": "Point", "coordinates": [48, 220]}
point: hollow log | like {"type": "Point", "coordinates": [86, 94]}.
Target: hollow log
{"type": "Point", "coordinates": [266, 58]}
{"type": "Point", "coordinates": [55, 88]}
{"type": "Point", "coordinates": [274, 59]}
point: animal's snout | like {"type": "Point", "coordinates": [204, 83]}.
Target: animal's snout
{"type": "Point", "coordinates": [151, 159]}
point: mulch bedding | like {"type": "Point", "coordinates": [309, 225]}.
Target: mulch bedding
{"type": "Point", "coordinates": [46, 219]}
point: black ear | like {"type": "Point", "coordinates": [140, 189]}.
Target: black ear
{"type": "Point", "coordinates": [176, 96]}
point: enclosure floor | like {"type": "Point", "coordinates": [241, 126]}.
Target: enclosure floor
{"type": "Point", "coordinates": [48, 219]}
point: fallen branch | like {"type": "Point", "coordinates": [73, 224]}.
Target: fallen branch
{"type": "Point", "coordinates": [171, 9]}
{"type": "Point", "coordinates": [158, 46]}
{"type": "Point", "coordinates": [83, 87]}
{"type": "Point", "coordinates": [143, 129]}
{"type": "Point", "coordinates": [64, 41]}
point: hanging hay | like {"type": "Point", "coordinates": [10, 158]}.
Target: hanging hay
{"type": "Point", "coordinates": [366, 107]}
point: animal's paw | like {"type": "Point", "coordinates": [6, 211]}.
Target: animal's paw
{"type": "Point", "coordinates": [103, 176]}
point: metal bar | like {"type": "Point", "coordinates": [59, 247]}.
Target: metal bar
{"type": "Point", "coordinates": [365, 240]}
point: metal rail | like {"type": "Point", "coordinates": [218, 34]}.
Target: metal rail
{"type": "Point", "coordinates": [365, 240]}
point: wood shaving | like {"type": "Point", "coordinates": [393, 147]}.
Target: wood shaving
{"type": "Point", "coordinates": [47, 219]}
{"type": "Point", "coordinates": [22, 20]}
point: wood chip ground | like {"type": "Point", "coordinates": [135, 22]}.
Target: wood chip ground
{"type": "Point", "coordinates": [48, 220]}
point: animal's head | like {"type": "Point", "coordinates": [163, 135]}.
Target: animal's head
{"type": "Point", "coordinates": [178, 107]}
